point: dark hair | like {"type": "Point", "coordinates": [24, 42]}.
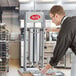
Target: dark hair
{"type": "Point", "coordinates": [57, 9]}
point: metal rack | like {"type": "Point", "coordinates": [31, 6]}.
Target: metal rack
{"type": "Point", "coordinates": [4, 37]}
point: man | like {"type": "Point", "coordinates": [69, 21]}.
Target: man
{"type": "Point", "coordinates": [66, 38]}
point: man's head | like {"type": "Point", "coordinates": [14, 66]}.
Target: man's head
{"type": "Point", "coordinates": [57, 13]}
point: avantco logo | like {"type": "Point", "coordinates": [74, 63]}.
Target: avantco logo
{"type": "Point", "coordinates": [35, 17]}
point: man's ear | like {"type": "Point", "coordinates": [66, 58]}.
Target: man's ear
{"type": "Point", "coordinates": [56, 15]}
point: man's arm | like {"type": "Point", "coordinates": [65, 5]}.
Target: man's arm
{"type": "Point", "coordinates": [63, 42]}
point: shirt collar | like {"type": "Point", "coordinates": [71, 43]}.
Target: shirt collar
{"type": "Point", "coordinates": [63, 19]}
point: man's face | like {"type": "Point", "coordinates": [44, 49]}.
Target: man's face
{"type": "Point", "coordinates": [55, 19]}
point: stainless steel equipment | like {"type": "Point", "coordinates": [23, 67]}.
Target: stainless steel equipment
{"type": "Point", "coordinates": [32, 42]}
{"type": "Point", "coordinates": [34, 39]}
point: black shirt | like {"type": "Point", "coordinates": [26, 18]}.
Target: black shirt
{"type": "Point", "coordinates": [66, 39]}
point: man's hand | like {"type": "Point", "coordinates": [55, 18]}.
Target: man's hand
{"type": "Point", "coordinates": [46, 68]}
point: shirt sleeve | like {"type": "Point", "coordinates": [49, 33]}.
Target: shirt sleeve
{"type": "Point", "coordinates": [63, 42]}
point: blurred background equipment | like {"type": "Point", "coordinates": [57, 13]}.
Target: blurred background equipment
{"type": "Point", "coordinates": [1, 14]}
{"type": "Point", "coordinates": [4, 38]}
